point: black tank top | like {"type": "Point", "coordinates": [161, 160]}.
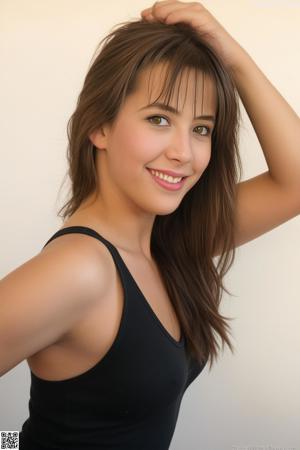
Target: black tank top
{"type": "Point", "coordinates": [130, 399]}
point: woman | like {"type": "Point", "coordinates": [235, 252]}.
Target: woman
{"type": "Point", "coordinates": [115, 328]}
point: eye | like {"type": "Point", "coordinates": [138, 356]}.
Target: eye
{"type": "Point", "coordinates": [205, 131]}
{"type": "Point", "coordinates": [154, 118]}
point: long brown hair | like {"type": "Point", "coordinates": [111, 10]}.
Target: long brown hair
{"type": "Point", "coordinates": [183, 243]}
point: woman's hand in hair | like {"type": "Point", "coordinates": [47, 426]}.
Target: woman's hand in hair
{"type": "Point", "coordinates": [195, 14]}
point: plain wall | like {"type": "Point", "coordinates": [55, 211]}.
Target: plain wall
{"type": "Point", "coordinates": [249, 399]}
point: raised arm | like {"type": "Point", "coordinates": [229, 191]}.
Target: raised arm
{"type": "Point", "coordinates": [272, 197]}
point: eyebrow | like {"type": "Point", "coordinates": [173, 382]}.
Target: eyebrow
{"type": "Point", "coordinates": [173, 110]}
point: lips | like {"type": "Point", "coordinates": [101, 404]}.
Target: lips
{"type": "Point", "coordinates": [166, 184]}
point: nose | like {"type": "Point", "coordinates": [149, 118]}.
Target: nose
{"type": "Point", "coordinates": [180, 147]}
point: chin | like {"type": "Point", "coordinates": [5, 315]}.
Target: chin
{"type": "Point", "coordinates": [164, 211]}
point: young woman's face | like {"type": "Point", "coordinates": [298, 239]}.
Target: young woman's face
{"type": "Point", "coordinates": [144, 138]}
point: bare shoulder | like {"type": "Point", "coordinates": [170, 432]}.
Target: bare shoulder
{"type": "Point", "coordinates": [42, 299]}
{"type": "Point", "coordinates": [88, 257]}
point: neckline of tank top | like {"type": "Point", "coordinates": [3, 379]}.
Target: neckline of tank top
{"type": "Point", "coordinates": [74, 228]}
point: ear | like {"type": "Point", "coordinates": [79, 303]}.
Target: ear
{"type": "Point", "coordinates": [99, 138]}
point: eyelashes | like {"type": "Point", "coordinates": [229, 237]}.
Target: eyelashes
{"type": "Point", "coordinates": [206, 128]}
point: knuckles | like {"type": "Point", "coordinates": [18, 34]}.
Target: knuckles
{"type": "Point", "coordinates": [158, 8]}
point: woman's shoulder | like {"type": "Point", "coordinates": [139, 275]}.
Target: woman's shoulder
{"type": "Point", "coordinates": [85, 253]}
{"type": "Point", "coordinates": [44, 297]}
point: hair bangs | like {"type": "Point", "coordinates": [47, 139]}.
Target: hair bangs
{"type": "Point", "coordinates": [171, 83]}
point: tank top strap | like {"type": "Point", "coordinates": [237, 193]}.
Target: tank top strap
{"type": "Point", "coordinates": [90, 232]}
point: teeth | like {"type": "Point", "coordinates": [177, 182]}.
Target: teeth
{"type": "Point", "coordinates": [166, 177]}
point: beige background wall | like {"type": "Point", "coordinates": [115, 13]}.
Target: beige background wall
{"type": "Point", "coordinates": [251, 399]}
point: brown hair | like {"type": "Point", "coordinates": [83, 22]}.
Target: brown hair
{"type": "Point", "coordinates": [184, 242]}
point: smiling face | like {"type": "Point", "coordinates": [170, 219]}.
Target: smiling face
{"type": "Point", "coordinates": [156, 137]}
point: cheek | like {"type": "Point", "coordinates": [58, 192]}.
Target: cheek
{"type": "Point", "coordinates": [138, 144]}
{"type": "Point", "coordinates": [203, 158]}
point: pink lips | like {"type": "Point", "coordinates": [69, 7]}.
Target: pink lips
{"type": "Point", "coordinates": [165, 184]}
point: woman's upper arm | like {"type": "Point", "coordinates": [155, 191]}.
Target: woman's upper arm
{"type": "Point", "coordinates": [44, 297]}
{"type": "Point", "coordinates": [262, 205]}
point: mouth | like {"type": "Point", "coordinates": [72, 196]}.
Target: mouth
{"type": "Point", "coordinates": [167, 182]}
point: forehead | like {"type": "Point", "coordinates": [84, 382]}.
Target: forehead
{"type": "Point", "coordinates": [191, 88]}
